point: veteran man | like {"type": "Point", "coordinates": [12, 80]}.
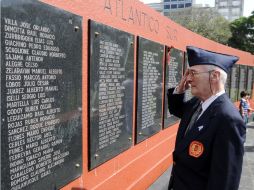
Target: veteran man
{"type": "Point", "coordinates": [209, 148]}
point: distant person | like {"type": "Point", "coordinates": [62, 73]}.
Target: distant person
{"type": "Point", "coordinates": [244, 106]}
{"type": "Point", "coordinates": [250, 109]}
{"type": "Point", "coordinates": [209, 147]}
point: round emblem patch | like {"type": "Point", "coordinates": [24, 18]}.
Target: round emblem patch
{"type": "Point", "coordinates": [196, 149]}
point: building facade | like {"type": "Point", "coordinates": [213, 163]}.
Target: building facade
{"type": "Point", "coordinates": [230, 9]}
{"type": "Point", "coordinates": [157, 6]}
{"type": "Point", "coordinates": [170, 5]}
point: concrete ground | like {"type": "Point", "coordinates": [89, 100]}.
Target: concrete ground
{"type": "Point", "coordinates": [247, 178]}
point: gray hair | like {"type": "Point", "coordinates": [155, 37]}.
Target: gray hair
{"type": "Point", "coordinates": [223, 74]}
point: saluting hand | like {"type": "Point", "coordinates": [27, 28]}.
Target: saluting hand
{"type": "Point", "coordinates": [184, 84]}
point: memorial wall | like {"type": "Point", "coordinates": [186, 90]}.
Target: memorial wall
{"type": "Point", "coordinates": [149, 94]}
{"type": "Point", "coordinates": [234, 83]}
{"type": "Point", "coordinates": [173, 74]}
{"type": "Point", "coordinates": [228, 84]}
{"type": "Point", "coordinates": [40, 96]}
{"type": "Point", "coordinates": [242, 80]}
{"type": "Point", "coordinates": [187, 95]}
{"type": "Point", "coordinates": [111, 92]}
{"type": "Point", "coordinates": [84, 93]}
{"type": "Point", "coordinates": [250, 80]}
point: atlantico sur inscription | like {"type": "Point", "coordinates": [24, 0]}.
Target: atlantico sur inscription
{"type": "Point", "coordinates": [131, 14]}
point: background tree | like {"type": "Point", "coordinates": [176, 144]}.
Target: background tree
{"type": "Point", "coordinates": [204, 21]}
{"type": "Point", "coordinates": [243, 33]}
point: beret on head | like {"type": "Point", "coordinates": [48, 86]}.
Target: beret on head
{"type": "Point", "coordinates": [197, 56]}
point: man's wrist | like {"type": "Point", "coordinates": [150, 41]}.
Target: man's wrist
{"type": "Point", "coordinates": [176, 91]}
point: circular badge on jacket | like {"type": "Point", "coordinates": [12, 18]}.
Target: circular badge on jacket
{"type": "Point", "coordinates": [196, 149]}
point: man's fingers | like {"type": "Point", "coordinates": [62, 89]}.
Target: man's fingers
{"type": "Point", "coordinates": [184, 78]}
{"type": "Point", "coordinates": [184, 84]}
{"type": "Point", "coordinates": [186, 73]}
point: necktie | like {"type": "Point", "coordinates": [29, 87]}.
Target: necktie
{"type": "Point", "coordinates": [194, 118]}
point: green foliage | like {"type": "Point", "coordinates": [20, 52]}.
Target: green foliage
{"type": "Point", "coordinates": [204, 21]}
{"type": "Point", "coordinates": [243, 33]}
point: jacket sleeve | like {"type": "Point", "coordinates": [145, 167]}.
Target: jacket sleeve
{"type": "Point", "coordinates": [227, 155]}
{"type": "Point", "coordinates": [175, 103]}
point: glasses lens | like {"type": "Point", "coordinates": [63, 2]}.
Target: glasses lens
{"type": "Point", "coordinates": [192, 73]}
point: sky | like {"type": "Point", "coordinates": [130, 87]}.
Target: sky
{"type": "Point", "coordinates": [248, 4]}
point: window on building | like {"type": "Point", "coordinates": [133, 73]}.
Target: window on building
{"type": "Point", "coordinates": [223, 11]}
{"type": "Point", "coordinates": [174, 6]}
{"type": "Point", "coordinates": [223, 4]}
{"type": "Point", "coordinates": [166, 6]}
{"type": "Point", "coordinates": [173, 0]}
{"type": "Point", "coordinates": [166, 0]}
{"type": "Point", "coordinates": [166, 11]}
{"type": "Point", "coordinates": [187, 4]}
{"type": "Point", "coordinates": [180, 5]}
{"type": "Point", "coordinates": [236, 11]}
{"type": "Point", "coordinates": [236, 3]}
{"type": "Point", "coordinates": [233, 17]}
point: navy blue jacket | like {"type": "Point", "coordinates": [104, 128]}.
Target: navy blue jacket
{"type": "Point", "coordinates": [216, 162]}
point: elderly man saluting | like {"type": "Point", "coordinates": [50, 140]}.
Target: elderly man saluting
{"type": "Point", "coordinates": [209, 144]}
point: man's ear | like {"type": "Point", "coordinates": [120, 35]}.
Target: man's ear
{"type": "Point", "coordinates": [215, 75]}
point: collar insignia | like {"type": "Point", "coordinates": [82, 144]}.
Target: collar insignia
{"type": "Point", "coordinates": [200, 127]}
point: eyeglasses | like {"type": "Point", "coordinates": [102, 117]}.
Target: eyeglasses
{"type": "Point", "coordinates": [193, 73]}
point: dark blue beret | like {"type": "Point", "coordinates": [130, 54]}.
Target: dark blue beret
{"type": "Point", "coordinates": [197, 56]}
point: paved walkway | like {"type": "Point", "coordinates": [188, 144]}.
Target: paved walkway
{"type": "Point", "coordinates": [247, 178]}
